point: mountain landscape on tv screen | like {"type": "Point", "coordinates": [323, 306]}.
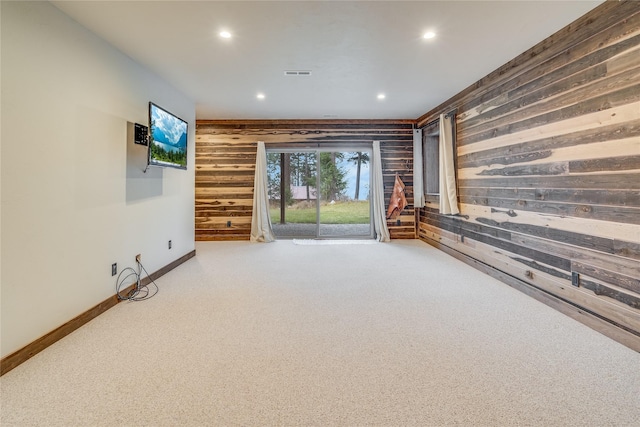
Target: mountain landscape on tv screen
{"type": "Point", "coordinates": [161, 138]}
{"type": "Point", "coordinates": [169, 139]}
{"type": "Point", "coordinates": [168, 129]}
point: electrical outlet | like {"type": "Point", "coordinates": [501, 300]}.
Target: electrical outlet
{"type": "Point", "coordinates": [169, 244]}
{"type": "Point", "coordinates": [114, 268]}
{"type": "Point", "coordinates": [138, 257]}
{"type": "Point", "coordinates": [575, 279]}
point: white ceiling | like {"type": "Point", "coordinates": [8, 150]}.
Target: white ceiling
{"type": "Point", "coordinates": [355, 50]}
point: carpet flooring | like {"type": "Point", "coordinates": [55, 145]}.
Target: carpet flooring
{"type": "Point", "coordinates": [387, 334]}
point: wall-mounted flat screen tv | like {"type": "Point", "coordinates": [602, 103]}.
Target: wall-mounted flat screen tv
{"type": "Point", "coordinates": [167, 138]}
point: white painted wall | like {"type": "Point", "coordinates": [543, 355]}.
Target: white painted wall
{"type": "Point", "coordinates": [74, 198]}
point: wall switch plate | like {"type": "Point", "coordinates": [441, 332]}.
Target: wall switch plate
{"type": "Point", "coordinates": [575, 279]}
{"type": "Point", "coordinates": [114, 268]}
{"type": "Point", "coordinates": [169, 244]}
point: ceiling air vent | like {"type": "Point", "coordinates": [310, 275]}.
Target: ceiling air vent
{"type": "Point", "coordinates": [297, 72]}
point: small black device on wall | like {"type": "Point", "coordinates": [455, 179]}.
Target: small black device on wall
{"type": "Point", "coordinates": [141, 134]}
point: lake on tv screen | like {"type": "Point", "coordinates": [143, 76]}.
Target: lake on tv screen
{"type": "Point", "coordinates": [160, 139]}
{"type": "Point", "coordinates": [169, 147]}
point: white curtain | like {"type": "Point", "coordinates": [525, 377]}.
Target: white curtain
{"type": "Point", "coordinates": [448, 192]}
{"type": "Point", "coordinates": [261, 230]}
{"type": "Point", "coordinates": [418, 190]}
{"type": "Point", "coordinates": [377, 196]}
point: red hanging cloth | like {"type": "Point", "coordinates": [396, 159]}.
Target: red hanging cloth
{"type": "Point", "coordinates": [398, 201]}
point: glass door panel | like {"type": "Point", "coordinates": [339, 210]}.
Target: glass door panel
{"type": "Point", "coordinates": [293, 211]}
{"type": "Point", "coordinates": [344, 208]}
{"type": "Point", "coordinates": [319, 194]}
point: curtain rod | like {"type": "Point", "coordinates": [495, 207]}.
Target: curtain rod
{"type": "Point", "coordinates": [449, 114]}
{"type": "Point", "coordinates": [293, 147]}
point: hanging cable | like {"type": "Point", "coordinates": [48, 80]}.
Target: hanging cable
{"type": "Point", "coordinates": [139, 292]}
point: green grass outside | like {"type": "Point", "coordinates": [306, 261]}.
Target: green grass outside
{"type": "Point", "coordinates": [353, 212]}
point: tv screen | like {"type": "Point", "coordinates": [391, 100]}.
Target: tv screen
{"type": "Point", "coordinates": [167, 138]}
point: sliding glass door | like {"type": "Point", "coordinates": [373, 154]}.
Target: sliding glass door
{"type": "Point", "coordinates": [292, 193]}
{"type": "Point", "coordinates": [320, 193]}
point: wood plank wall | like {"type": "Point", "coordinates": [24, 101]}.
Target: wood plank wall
{"type": "Point", "coordinates": [225, 163]}
{"type": "Point", "coordinates": [549, 166]}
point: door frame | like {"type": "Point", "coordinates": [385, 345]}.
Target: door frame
{"type": "Point", "coordinates": [318, 148]}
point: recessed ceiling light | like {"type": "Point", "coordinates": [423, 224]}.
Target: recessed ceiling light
{"type": "Point", "coordinates": [225, 34]}
{"type": "Point", "coordinates": [429, 35]}
{"type": "Point", "coordinates": [260, 96]}
{"type": "Point", "coordinates": [381, 96]}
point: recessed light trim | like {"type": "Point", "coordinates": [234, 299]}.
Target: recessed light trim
{"type": "Point", "coordinates": [381, 96]}
{"type": "Point", "coordinates": [225, 34]}
{"type": "Point", "coordinates": [428, 35]}
{"type": "Point", "coordinates": [260, 96]}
